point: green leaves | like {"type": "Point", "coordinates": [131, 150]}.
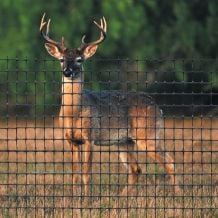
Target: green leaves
{"type": "Point", "coordinates": [136, 29]}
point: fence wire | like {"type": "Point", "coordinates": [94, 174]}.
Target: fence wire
{"type": "Point", "coordinates": [148, 149]}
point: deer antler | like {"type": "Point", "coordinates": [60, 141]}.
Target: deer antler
{"type": "Point", "coordinates": [103, 28]}
{"type": "Point", "coordinates": [46, 35]}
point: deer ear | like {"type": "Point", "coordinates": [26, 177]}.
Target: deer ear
{"type": "Point", "coordinates": [53, 50]}
{"type": "Point", "coordinates": [89, 51]}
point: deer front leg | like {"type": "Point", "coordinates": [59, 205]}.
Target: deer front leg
{"type": "Point", "coordinates": [75, 151]}
{"type": "Point", "coordinates": [75, 164]}
{"type": "Point", "coordinates": [87, 151]}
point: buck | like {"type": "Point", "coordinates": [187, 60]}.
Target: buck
{"type": "Point", "coordinates": [131, 121]}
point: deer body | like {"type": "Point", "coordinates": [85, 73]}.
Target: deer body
{"type": "Point", "coordinates": [129, 120]}
{"type": "Point", "coordinates": [107, 115]}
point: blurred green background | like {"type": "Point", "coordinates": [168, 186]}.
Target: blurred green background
{"type": "Point", "coordinates": [136, 28]}
{"type": "Point", "coordinates": [141, 34]}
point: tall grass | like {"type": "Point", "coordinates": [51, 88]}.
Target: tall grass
{"type": "Point", "coordinates": [35, 174]}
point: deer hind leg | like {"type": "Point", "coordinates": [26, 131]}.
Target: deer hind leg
{"type": "Point", "coordinates": [162, 158]}
{"type": "Point", "coordinates": [130, 162]}
{"type": "Point", "coordinates": [87, 163]}
{"type": "Point", "coordinates": [148, 131]}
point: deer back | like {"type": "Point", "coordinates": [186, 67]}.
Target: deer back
{"type": "Point", "coordinates": [115, 115]}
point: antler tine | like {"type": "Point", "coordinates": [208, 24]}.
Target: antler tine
{"type": "Point", "coordinates": [42, 24]}
{"type": "Point", "coordinates": [105, 24]}
{"type": "Point", "coordinates": [48, 27]}
{"type": "Point", "coordinates": [46, 34]}
{"type": "Point", "coordinates": [103, 28]}
{"type": "Point", "coordinates": [83, 39]}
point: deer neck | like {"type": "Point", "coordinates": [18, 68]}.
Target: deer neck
{"type": "Point", "coordinates": [72, 96]}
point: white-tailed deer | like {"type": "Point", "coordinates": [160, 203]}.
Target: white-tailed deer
{"type": "Point", "coordinates": [131, 121]}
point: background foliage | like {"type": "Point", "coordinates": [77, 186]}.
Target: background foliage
{"type": "Point", "coordinates": [136, 29]}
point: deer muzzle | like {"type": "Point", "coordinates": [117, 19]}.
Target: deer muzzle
{"type": "Point", "coordinates": [69, 72]}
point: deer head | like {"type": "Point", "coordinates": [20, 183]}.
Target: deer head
{"type": "Point", "coordinates": [71, 59]}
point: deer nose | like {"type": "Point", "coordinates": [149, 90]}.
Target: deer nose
{"type": "Point", "coordinates": [67, 71]}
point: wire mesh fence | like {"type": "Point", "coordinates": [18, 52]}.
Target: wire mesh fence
{"type": "Point", "coordinates": [148, 149]}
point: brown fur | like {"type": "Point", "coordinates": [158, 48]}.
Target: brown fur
{"type": "Point", "coordinates": [130, 121]}
{"type": "Point", "coordinates": [143, 120]}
